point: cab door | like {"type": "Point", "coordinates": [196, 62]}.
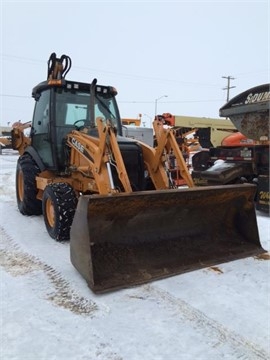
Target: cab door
{"type": "Point", "coordinates": [40, 131]}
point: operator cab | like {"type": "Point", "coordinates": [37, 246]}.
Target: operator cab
{"type": "Point", "coordinates": [62, 108]}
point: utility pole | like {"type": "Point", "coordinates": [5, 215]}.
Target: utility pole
{"type": "Point", "coordinates": [228, 87]}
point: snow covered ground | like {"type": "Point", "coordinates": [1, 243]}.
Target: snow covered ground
{"type": "Point", "coordinates": [49, 313]}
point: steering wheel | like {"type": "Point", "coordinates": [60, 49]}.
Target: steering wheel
{"type": "Point", "coordinates": [84, 123]}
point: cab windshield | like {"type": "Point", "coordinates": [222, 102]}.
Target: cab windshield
{"type": "Point", "coordinates": [73, 108]}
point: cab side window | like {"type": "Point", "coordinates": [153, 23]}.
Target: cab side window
{"type": "Point", "coordinates": [40, 128]}
{"type": "Point", "coordinates": [41, 114]}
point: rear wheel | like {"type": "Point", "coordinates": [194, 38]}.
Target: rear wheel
{"type": "Point", "coordinates": [26, 189]}
{"type": "Point", "coordinates": [59, 204]}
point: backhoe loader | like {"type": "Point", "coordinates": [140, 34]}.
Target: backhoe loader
{"type": "Point", "coordinates": [113, 196]}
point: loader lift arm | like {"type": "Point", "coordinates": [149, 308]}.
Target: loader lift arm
{"type": "Point", "coordinates": [166, 142]}
{"type": "Point", "coordinates": [99, 154]}
{"type": "Point", "coordinates": [103, 152]}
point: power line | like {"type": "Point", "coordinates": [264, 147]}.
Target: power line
{"type": "Point", "coordinates": [112, 73]}
{"type": "Point", "coordinates": [132, 101]}
{"type": "Point", "coordinates": [169, 102]}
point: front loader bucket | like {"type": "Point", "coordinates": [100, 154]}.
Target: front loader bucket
{"type": "Point", "coordinates": [128, 239]}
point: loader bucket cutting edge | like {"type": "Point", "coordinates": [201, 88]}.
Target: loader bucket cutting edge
{"type": "Point", "coordinates": [128, 239]}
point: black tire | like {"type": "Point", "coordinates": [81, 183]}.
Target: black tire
{"type": "Point", "coordinates": [26, 189]}
{"type": "Point", "coordinates": [59, 204]}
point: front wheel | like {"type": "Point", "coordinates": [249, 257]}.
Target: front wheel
{"type": "Point", "coordinates": [59, 204]}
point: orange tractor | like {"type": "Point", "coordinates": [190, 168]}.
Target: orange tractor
{"type": "Point", "coordinates": [112, 196]}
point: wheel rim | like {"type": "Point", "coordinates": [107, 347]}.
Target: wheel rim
{"type": "Point", "coordinates": [20, 185]}
{"type": "Point", "coordinates": [50, 213]}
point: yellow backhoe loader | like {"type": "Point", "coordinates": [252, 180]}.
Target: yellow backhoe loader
{"type": "Point", "coordinates": [113, 196]}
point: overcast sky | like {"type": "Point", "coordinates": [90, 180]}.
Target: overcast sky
{"type": "Point", "coordinates": [146, 49]}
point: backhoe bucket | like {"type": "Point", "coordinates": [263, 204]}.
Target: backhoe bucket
{"type": "Point", "coordinates": [128, 239]}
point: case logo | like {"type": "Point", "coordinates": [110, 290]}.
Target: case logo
{"type": "Point", "coordinates": [77, 145]}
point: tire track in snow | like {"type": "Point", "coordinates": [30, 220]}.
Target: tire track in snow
{"type": "Point", "coordinates": [18, 263]}
{"type": "Point", "coordinates": [220, 335]}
